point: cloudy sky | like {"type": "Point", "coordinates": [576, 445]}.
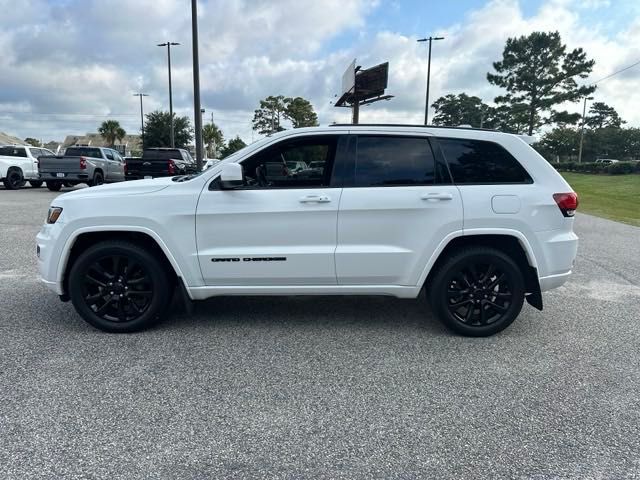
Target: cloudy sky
{"type": "Point", "coordinates": [66, 65]}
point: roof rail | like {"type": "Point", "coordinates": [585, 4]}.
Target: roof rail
{"type": "Point", "coordinates": [409, 125]}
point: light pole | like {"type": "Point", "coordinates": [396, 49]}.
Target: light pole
{"type": "Point", "coordinates": [196, 83]}
{"type": "Point", "coordinates": [141, 115]}
{"type": "Point", "coordinates": [169, 45]}
{"type": "Point", "coordinates": [584, 113]}
{"type": "Point", "coordinates": [426, 107]}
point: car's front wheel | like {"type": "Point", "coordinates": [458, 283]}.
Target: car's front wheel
{"type": "Point", "coordinates": [477, 292]}
{"type": "Point", "coordinates": [117, 286]}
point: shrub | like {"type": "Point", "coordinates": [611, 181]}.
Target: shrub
{"type": "Point", "coordinates": [620, 168]}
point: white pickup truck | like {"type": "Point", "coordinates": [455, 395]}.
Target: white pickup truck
{"type": "Point", "coordinates": [19, 163]}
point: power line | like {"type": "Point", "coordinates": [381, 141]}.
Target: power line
{"type": "Point", "coordinates": [616, 73]}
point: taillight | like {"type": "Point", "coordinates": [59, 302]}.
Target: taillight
{"type": "Point", "coordinates": [567, 203]}
{"type": "Point", "coordinates": [125, 168]}
{"type": "Point", "coordinates": [83, 163]}
{"type": "Point", "coordinates": [172, 167]}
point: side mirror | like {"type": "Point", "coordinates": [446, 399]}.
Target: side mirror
{"type": "Point", "coordinates": [231, 176]}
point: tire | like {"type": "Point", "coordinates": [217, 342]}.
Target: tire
{"type": "Point", "coordinates": [54, 186]}
{"type": "Point", "coordinates": [477, 292]}
{"type": "Point", "coordinates": [14, 179]}
{"type": "Point", "coordinates": [68, 184]}
{"type": "Point", "coordinates": [35, 183]}
{"type": "Point", "coordinates": [142, 287]}
{"type": "Point", "coordinates": [98, 179]}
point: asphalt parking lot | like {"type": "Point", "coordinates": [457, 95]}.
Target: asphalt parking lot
{"type": "Point", "coordinates": [322, 387]}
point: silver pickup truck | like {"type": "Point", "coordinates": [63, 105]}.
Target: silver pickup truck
{"type": "Point", "coordinates": [80, 164]}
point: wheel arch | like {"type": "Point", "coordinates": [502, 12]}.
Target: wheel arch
{"type": "Point", "coordinates": [84, 238]}
{"type": "Point", "coordinates": [512, 242]}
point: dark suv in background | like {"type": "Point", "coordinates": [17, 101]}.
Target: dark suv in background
{"type": "Point", "coordinates": [160, 162]}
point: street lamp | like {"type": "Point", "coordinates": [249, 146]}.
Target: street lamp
{"type": "Point", "coordinates": [141, 114]}
{"type": "Point", "coordinates": [584, 113]}
{"type": "Point", "coordinates": [169, 45]}
{"type": "Point", "coordinates": [426, 107]}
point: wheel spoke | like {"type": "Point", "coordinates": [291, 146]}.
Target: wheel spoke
{"type": "Point", "coordinates": [105, 306]}
{"type": "Point", "coordinates": [469, 314]}
{"type": "Point", "coordinates": [122, 316]}
{"type": "Point", "coordinates": [488, 273]}
{"type": "Point", "coordinates": [142, 293]}
{"type": "Point", "coordinates": [496, 281]}
{"type": "Point", "coordinates": [483, 315]}
{"type": "Point", "coordinates": [93, 298]}
{"type": "Point", "coordinates": [95, 281]}
{"type": "Point", "coordinates": [138, 281]}
{"type": "Point", "coordinates": [457, 305]}
{"type": "Point", "coordinates": [497, 307]}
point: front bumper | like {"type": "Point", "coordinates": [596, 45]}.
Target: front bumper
{"type": "Point", "coordinates": [49, 256]}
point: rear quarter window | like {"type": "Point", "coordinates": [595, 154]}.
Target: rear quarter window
{"type": "Point", "coordinates": [481, 162]}
{"type": "Point", "coordinates": [13, 152]}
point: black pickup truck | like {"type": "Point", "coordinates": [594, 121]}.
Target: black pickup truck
{"type": "Point", "coordinates": [160, 162]}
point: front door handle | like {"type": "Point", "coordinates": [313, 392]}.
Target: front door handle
{"type": "Point", "coordinates": [436, 196]}
{"type": "Point", "coordinates": [315, 199]}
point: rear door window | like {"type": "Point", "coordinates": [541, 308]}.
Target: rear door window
{"type": "Point", "coordinates": [388, 161]}
{"type": "Point", "coordinates": [481, 162]}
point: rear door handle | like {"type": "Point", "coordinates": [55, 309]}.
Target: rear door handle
{"type": "Point", "coordinates": [315, 199]}
{"type": "Point", "coordinates": [436, 196]}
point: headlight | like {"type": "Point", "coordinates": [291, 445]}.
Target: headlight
{"type": "Point", "coordinates": [54, 214]}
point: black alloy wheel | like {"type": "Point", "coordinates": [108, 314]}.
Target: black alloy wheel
{"type": "Point", "coordinates": [14, 179]}
{"type": "Point", "coordinates": [478, 292]}
{"type": "Point", "coordinates": [119, 287]}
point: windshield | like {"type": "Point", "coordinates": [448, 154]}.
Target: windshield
{"type": "Point", "coordinates": [231, 158]}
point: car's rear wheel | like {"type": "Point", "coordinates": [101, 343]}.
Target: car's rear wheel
{"type": "Point", "coordinates": [35, 183]}
{"type": "Point", "coordinates": [98, 179]}
{"type": "Point", "coordinates": [54, 186]}
{"type": "Point", "coordinates": [477, 292]}
{"type": "Point", "coordinates": [119, 287]}
{"type": "Point", "coordinates": [14, 179]}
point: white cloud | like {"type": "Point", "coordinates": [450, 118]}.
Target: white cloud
{"type": "Point", "coordinates": [85, 58]}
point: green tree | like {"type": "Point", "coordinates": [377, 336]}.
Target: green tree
{"type": "Point", "coordinates": [537, 71]}
{"type": "Point", "coordinates": [602, 115]}
{"type": "Point", "coordinates": [300, 112]}
{"type": "Point", "coordinates": [460, 109]}
{"type": "Point", "coordinates": [213, 139]}
{"type": "Point", "coordinates": [110, 131]}
{"type": "Point", "coordinates": [157, 130]}
{"type": "Point", "coordinates": [32, 141]}
{"type": "Point", "coordinates": [232, 146]}
{"type": "Point", "coordinates": [266, 119]}
{"type": "Point", "coordinates": [560, 142]}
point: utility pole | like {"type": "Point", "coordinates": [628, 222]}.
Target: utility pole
{"type": "Point", "coordinates": [584, 113]}
{"type": "Point", "coordinates": [169, 45]}
{"type": "Point", "coordinates": [141, 114]}
{"type": "Point", "coordinates": [426, 107]}
{"type": "Point", "coordinates": [196, 83]}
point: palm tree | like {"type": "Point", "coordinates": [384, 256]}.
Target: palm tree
{"type": "Point", "coordinates": [111, 130]}
{"type": "Point", "coordinates": [213, 138]}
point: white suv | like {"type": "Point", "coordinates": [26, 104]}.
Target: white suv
{"type": "Point", "coordinates": [476, 218]}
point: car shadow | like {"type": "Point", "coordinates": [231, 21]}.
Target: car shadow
{"type": "Point", "coordinates": [352, 311]}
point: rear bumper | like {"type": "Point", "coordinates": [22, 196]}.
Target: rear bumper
{"type": "Point", "coordinates": [68, 177]}
{"type": "Point", "coordinates": [553, 281]}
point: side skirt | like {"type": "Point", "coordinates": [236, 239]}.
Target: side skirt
{"type": "Point", "coordinates": [201, 293]}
